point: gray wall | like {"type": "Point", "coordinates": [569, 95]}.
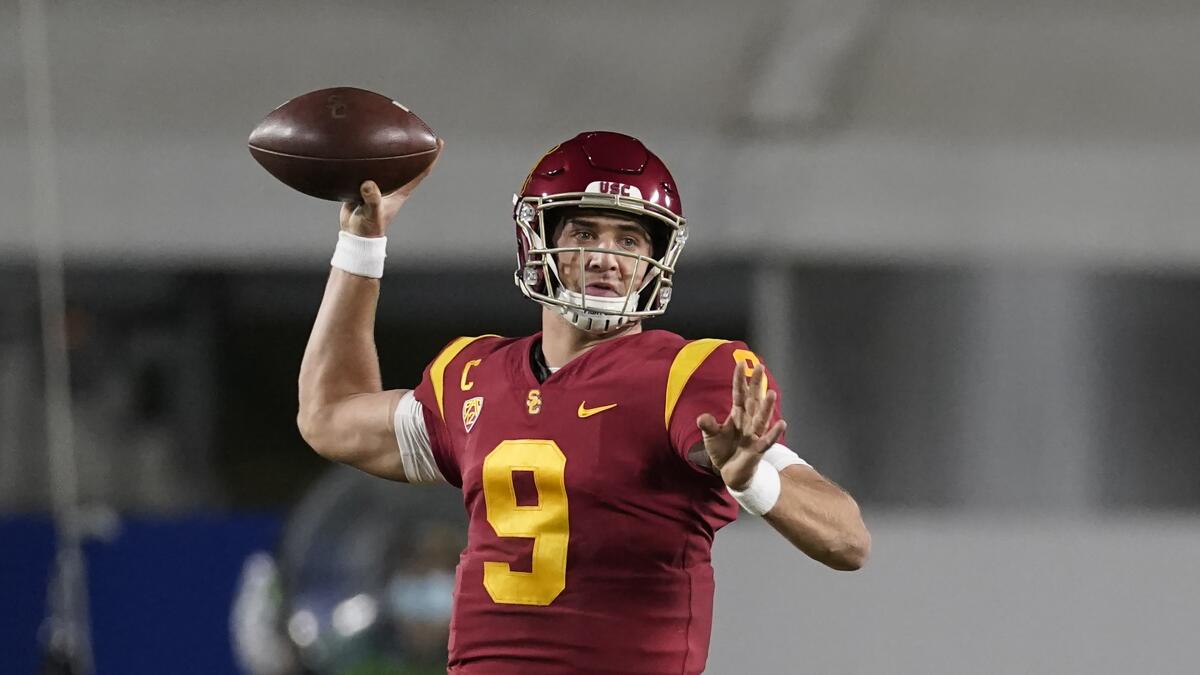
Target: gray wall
{"type": "Point", "coordinates": [949, 595]}
{"type": "Point", "coordinates": [921, 129]}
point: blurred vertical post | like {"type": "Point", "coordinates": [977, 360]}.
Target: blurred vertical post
{"type": "Point", "coordinates": [1028, 395]}
{"type": "Point", "coordinates": [66, 635]}
{"type": "Point", "coordinates": [773, 298]}
{"type": "Point", "coordinates": [776, 308]}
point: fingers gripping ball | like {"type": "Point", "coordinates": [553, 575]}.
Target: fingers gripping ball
{"type": "Point", "coordinates": [326, 143]}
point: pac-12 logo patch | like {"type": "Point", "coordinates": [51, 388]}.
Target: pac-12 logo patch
{"type": "Point", "coordinates": [606, 187]}
{"type": "Point", "coordinates": [471, 409]}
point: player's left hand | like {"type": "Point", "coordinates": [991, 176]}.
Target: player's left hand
{"type": "Point", "coordinates": [736, 445]}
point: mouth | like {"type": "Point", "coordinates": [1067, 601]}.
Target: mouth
{"type": "Point", "coordinates": [602, 289]}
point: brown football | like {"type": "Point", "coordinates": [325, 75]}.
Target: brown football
{"type": "Point", "coordinates": [327, 142]}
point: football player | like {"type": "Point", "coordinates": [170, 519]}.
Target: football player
{"type": "Point", "coordinates": [596, 459]}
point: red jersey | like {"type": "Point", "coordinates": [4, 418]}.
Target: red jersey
{"type": "Point", "coordinates": [590, 533]}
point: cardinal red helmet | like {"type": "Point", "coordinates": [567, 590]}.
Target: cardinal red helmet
{"type": "Point", "coordinates": [599, 170]}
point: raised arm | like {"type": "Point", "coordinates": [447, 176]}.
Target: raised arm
{"type": "Point", "coordinates": [345, 414]}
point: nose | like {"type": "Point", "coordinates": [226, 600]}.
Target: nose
{"type": "Point", "coordinates": [598, 261]}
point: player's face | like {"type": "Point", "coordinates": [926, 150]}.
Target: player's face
{"type": "Point", "coordinates": [603, 274]}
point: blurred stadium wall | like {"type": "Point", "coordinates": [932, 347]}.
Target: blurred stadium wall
{"type": "Point", "coordinates": [963, 233]}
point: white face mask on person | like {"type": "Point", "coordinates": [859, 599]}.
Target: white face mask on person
{"type": "Point", "coordinates": [597, 267]}
{"type": "Point", "coordinates": [612, 262]}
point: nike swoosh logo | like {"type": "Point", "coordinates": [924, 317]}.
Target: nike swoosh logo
{"type": "Point", "coordinates": [588, 412]}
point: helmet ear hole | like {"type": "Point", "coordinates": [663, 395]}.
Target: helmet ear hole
{"type": "Point", "coordinates": [534, 278]}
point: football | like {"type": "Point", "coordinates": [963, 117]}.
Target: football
{"type": "Point", "coordinates": [327, 142]}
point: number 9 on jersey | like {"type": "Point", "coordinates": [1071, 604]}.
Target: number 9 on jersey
{"type": "Point", "coordinates": [545, 522]}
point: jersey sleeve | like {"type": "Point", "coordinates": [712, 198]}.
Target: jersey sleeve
{"type": "Point", "coordinates": [412, 435]}
{"type": "Point", "coordinates": [430, 393]}
{"type": "Point", "coordinates": [701, 381]}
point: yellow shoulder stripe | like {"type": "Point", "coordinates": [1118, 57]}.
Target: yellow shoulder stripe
{"type": "Point", "coordinates": [686, 362]}
{"type": "Point", "coordinates": [437, 371]}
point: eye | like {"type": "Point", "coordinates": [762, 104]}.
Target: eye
{"type": "Point", "coordinates": [634, 241]}
{"type": "Point", "coordinates": [583, 234]}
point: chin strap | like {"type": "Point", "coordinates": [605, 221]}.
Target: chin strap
{"type": "Point", "coordinates": [603, 315]}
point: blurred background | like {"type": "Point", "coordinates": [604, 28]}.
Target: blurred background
{"type": "Point", "coordinates": [962, 233]}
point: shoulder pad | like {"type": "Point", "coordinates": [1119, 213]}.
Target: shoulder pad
{"type": "Point", "coordinates": [683, 367]}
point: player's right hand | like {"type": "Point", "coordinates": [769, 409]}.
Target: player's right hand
{"type": "Point", "coordinates": [736, 445]}
{"type": "Point", "coordinates": [371, 217]}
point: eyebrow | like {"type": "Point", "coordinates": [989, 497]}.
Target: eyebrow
{"type": "Point", "coordinates": [631, 226]}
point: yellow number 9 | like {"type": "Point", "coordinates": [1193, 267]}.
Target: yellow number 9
{"type": "Point", "coordinates": [546, 522]}
{"type": "Point", "coordinates": [749, 360]}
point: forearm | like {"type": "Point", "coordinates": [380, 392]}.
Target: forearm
{"type": "Point", "coordinates": [820, 519]}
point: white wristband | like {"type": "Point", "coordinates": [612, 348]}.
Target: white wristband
{"type": "Point", "coordinates": [760, 495]}
{"type": "Point", "coordinates": [362, 256]}
{"type": "Point", "coordinates": [781, 457]}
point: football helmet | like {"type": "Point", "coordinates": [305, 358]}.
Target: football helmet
{"type": "Point", "coordinates": [598, 170]}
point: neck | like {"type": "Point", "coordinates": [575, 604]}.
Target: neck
{"type": "Point", "coordinates": [562, 342]}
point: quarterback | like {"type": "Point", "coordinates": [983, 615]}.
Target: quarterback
{"type": "Point", "coordinates": [596, 459]}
